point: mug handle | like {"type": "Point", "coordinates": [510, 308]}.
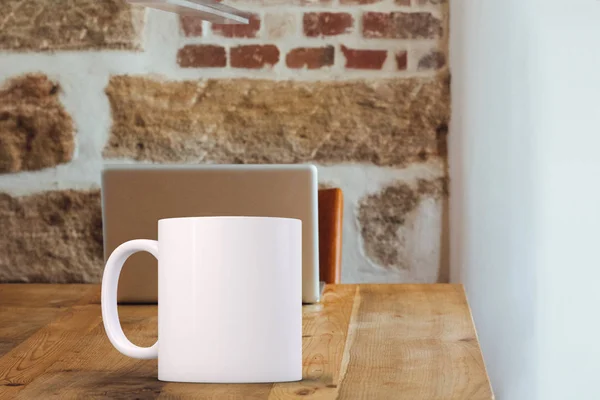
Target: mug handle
{"type": "Point", "coordinates": [110, 315]}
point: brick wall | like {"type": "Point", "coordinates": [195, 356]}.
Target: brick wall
{"type": "Point", "coordinates": [358, 87]}
{"type": "Point", "coordinates": [323, 39]}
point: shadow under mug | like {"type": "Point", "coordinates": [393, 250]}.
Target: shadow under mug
{"type": "Point", "coordinates": [229, 299]}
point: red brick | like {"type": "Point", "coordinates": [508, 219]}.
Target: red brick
{"type": "Point", "coordinates": [201, 56]}
{"type": "Point", "coordinates": [327, 23]}
{"type": "Point", "coordinates": [435, 59]}
{"type": "Point", "coordinates": [190, 25]}
{"type": "Point", "coordinates": [249, 30]}
{"type": "Point", "coordinates": [254, 56]}
{"type": "Point", "coordinates": [401, 25]}
{"type": "Point", "coordinates": [311, 58]}
{"type": "Point", "coordinates": [401, 60]}
{"type": "Point", "coordinates": [376, 24]}
{"type": "Point", "coordinates": [364, 59]}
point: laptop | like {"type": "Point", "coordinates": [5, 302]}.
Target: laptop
{"type": "Point", "coordinates": [135, 197]}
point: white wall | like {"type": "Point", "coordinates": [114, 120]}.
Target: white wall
{"type": "Point", "coordinates": [525, 202]}
{"type": "Point", "coordinates": [567, 117]}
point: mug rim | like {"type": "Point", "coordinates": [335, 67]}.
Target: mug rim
{"type": "Point", "coordinates": [236, 217]}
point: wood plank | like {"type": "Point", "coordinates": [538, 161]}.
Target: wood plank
{"type": "Point", "coordinates": [44, 295]}
{"type": "Point", "coordinates": [349, 339]}
{"type": "Point", "coordinates": [363, 342]}
{"type": "Point", "coordinates": [94, 368]}
{"type": "Point", "coordinates": [414, 342]}
{"type": "Point", "coordinates": [324, 329]}
{"type": "Point", "coordinates": [135, 384]}
{"type": "Point", "coordinates": [92, 296]}
{"type": "Point", "coordinates": [215, 391]}
{"type": "Point", "coordinates": [32, 357]}
{"type": "Point", "coordinates": [18, 323]}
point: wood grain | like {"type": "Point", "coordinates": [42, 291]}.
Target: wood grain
{"type": "Point", "coordinates": [43, 295]}
{"type": "Point", "coordinates": [216, 391]}
{"type": "Point", "coordinates": [94, 369]}
{"type": "Point", "coordinates": [414, 342]}
{"type": "Point", "coordinates": [16, 303]}
{"type": "Point", "coordinates": [33, 356]}
{"type": "Point", "coordinates": [18, 323]}
{"type": "Point", "coordinates": [362, 342]}
{"type": "Point", "coordinates": [324, 330]}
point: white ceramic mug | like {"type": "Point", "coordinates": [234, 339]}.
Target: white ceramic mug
{"type": "Point", "coordinates": [229, 299]}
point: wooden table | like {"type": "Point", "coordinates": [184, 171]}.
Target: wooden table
{"type": "Point", "coordinates": [363, 342]}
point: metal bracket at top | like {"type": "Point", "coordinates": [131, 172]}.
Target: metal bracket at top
{"type": "Point", "coordinates": [208, 10]}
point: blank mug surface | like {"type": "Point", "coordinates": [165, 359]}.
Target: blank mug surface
{"type": "Point", "coordinates": [229, 293]}
{"type": "Point", "coordinates": [229, 299]}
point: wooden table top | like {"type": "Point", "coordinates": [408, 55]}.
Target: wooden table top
{"type": "Point", "coordinates": [363, 342]}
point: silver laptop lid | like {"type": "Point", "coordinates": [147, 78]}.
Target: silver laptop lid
{"type": "Point", "coordinates": [136, 196]}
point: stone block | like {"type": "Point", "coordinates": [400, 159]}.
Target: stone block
{"type": "Point", "coordinates": [36, 131]}
{"type": "Point", "coordinates": [391, 122]}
